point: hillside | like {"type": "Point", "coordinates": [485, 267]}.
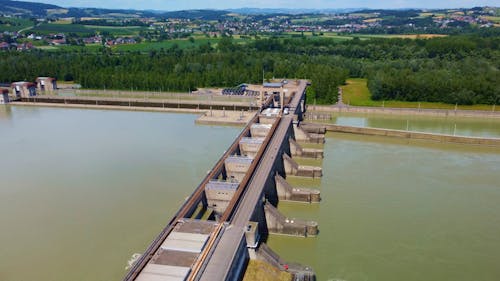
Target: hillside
{"type": "Point", "coordinates": [27, 8]}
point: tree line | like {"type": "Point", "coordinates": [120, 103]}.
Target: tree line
{"type": "Point", "coordinates": [457, 69]}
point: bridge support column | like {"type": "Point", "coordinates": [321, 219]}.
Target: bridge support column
{"type": "Point", "coordinates": [279, 224]}
{"type": "Point", "coordinates": [297, 150]}
{"type": "Point", "coordinates": [303, 136]}
{"type": "Point", "coordinates": [288, 193]}
{"type": "Point", "coordinates": [294, 169]}
{"type": "Point", "coordinates": [237, 167]}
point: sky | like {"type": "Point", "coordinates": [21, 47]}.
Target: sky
{"type": "Point", "coordinates": [171, 5]}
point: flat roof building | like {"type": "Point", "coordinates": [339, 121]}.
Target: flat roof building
{"type": "Point", "coordinates": [4, 96]}
{"type": "Point", "coordinates": [46, 84]}
{"type": "Point", "coordinates": [23, 89]}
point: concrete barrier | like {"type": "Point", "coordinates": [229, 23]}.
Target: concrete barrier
{"type": "Point", "coordinates": [319, 111]}
{"type": "Point", "coordinates": [411, 135]}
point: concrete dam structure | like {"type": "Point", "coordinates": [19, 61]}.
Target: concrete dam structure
{"type": "Point", "coordinates": [226, 221]}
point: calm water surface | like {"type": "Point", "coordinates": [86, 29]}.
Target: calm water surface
{"type": "Point", "coordinates": [83, 190]}
{"type": "Point", "coordinates": [394, 210]}
{"type": "Point", "coordinates": [460, 126]}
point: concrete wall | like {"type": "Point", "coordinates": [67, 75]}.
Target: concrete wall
{"type": "Point", "coordinates": [413, 135]}
{"type": "Point", "coordinates": [407, 111]}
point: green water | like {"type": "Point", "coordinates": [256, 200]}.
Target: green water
{"type": "Point", "coordinates": [83, 190]}
{"type": "Point", "coordinates": [460, 126]}
{"type": "Point", "coordinates": [393, 210]}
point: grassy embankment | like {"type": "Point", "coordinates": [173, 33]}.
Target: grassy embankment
{"type": "Point", "coordinates": [261, 271]}
{"type": "Point", "coordinates": [80, 29]}
{"type": "Point", "coordinates": [356, 93]}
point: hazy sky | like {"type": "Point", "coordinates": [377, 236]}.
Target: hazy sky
{"type": "Point", "coordinates": [217, 4]}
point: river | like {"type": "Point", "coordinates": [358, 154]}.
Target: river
{"type": "Point", "coordinates": [83, 190]}
{"type": "Point", "coordinates": [393, 210]}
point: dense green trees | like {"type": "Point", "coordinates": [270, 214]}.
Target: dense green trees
{"type": "Point", "coordinates": [457, 69]}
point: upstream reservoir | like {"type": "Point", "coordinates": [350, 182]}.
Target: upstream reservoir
{"type": "Point", "coordinates": [82, 190]}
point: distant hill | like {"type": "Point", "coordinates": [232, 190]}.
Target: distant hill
{"type": "Point", "coordinates": [26, 8]}
{"type": "Point", "coordinates": [267, 11]}
{"type": "Point", "coordinates": [31, 9]}
{"type": "Point", "coordinates": [196, 14]}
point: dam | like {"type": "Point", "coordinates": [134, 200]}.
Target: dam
{"type": "Point", "coordinates": [238, 198]}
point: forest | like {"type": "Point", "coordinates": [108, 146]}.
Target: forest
{"type": "Point", "coordinates": [462, 69]}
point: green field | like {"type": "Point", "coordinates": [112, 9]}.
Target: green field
{"type": "Point", "coordinates": [14, 24]}
{"type": "Point", "coordinates": [47, 28]}
{"type": "Point", "coordinates": [356, 93]}
{"type": "Point", "coordinates": [342, 37]}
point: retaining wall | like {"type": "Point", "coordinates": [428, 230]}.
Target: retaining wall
{"type": "Point", "coordinates": [410, 135]}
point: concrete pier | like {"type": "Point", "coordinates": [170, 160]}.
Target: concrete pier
{"type": "Point", "coordinates": [279, 224]}
{"type": "Point", "coordinates": [288, 193]}
{"type": "Point", "coordinates": [294, 169]}
{"type": "Point", "coordinates": [237, 167]}
{"type": "Point", "coordinates": [302, 135]}
{"type": "Point", "coordinates": [250, 146]}
{"type": "Point", "coordinates": [298, 151]}
{"type": "Point", "coordinates": [219, 194]}
{"type": "Point", "coordinates": [260, 130]}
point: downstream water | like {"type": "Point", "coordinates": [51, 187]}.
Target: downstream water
{"type": "Point", "coordinates": [460, 126]}
{"type": "Point", "coordinates": [83, 190]}
{"type": "Point", "coordinates": [392, 210]}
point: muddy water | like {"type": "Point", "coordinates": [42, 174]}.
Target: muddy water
{"type": "Point", "coordinates": [83, 190]}
{"type": "Point", "coordinates": [394, 210]}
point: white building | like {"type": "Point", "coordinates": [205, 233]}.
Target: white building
{"type": "Point", "coordinates": [4, 96]}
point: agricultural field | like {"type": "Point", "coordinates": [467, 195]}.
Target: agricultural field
{"type": "Point", "coordinates": [342, 37]}
{"type": "Point", "coordinates": [14, 24]}
{"type": "Point", "coordinates": [47, 28]}
{"type": "Point", "coordinates": [356, 93]}
{"type": "Point", "coordinates": [493, 19]}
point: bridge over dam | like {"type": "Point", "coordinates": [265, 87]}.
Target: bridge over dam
{"type": "Point", "coordinates": [226, 220]}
